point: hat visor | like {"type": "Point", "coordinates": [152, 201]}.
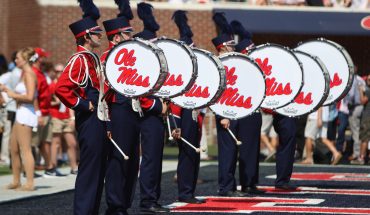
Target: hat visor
{"type": "Point", "coordinates": [96, 30]}
{"type": "Point", "coordinates": [230, 43]}
{"type": "Point", "coordinates": [127, 30]}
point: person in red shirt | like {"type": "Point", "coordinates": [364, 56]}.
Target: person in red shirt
{"type": "Point", "coordinates": [42, 137]}
{"type": "Point", "coordinates": [62, 126]}
{"type": "Point", "coordinates": [78, 87]}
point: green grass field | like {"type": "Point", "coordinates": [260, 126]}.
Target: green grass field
{"type": "Point", "coordinates": [4, 170]}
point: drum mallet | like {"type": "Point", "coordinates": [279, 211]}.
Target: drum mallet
{"type": "Point", "coordinates": [238, 142]}
{"type": "Point", "coordinates": [119, 149]}
{"type": "Point", "coordinates": [184, 140]}
{"type": "Point", "coordinates": [170, 138]}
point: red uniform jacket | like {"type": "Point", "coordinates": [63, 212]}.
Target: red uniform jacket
{"type": "Point", "coordinates": [79, 83]}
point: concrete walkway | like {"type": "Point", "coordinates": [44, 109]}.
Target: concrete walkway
{"type": "Point", "coordinates": [46, 186]}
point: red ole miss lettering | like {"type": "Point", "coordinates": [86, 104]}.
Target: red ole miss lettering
{"type": "Point", "coordinates": [172, 80]}
{"type": "Point", "coordinates": [304, 100]}
{"type": "Point", "coordinates": [272, 87]}
{"type": "Point", "coordinates": [336, 81]}
{"type": "Point", "coordinates": [126, 60]}
{"type": "Point", "coordinates": [231, 97]}
{"type": "Point", "coordinates": [198, 92]}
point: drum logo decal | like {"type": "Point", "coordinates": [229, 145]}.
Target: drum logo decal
{"type": "Point", "coordinates": [301, 99]}
{"type": "Point", "coordinates": [198, 92]}
{"type": "Point", "coordinates": [336, 81]}
{"type": "Point", "coordinates": [231, 97]}
{"type": "Point", "coordinates": [365, 23]}
{"type": "Point", "coordinates": [171, 80]}
{"type": "Point", "coordinates": [129, 76]}
{"type": "Point", "coordinates": [272, 87]}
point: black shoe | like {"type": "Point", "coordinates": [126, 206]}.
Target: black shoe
{"type": "Point", "coordinates": [252, 190]}
{"type": "Point", "coordinates": [193, 201]}
{"type": "Point", "coordinates": [233, 194]}
{"type": "Point", "coordinates": [157, 208]}
{"type": "Point", "coordinates": [286, 187]}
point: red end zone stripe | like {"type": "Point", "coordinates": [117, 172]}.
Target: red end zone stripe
{"type": "Point", "coordinates": [240, 205]}
{"type": "Point", "coordinates": [326, 176]}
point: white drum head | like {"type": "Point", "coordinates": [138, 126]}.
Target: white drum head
{"type": "Point", "coordinates": [338, 63]}
{"type": "Point", "coordinates": [135, 68]}
{"type": "Point", "coordinates": [283, 72]}
{"type": "Point", "coordinates": [209, 84]}
{"type": "Point", "coordinates": [315, 89]}
{"type": "Point", "coordinates": [245, 87]}
{"type": "Point", "coordinates": [182, 68]}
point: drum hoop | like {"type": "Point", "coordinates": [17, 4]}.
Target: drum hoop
{"type": "Point", "coordinates": [222, 73]}
{"type": "Point", "coordinates": [251, 60]}
{"type": "Point", "coordinates": [262, 46]}
{"type": "Point", "coordinates": [193, 59]}
{"type": "Point", "coordinates": [326, 88]}
{"type": "Point", "coordinates": [348, 59]}
{"type": "Point", "coordinates": [157, 51]}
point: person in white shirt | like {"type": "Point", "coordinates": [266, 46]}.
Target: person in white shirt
{"type": "Point", "coordinates": [317, 127]}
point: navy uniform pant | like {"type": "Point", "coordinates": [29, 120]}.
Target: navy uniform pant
{"type": "Point", "coordinates": [286, 129]}
{"type": "Point", "coordinates": [189, 159]}
{"type": "Point", "coordinates": [152, 142]}
{"type": "Point", "coordinates": [248, 131]}
{"type": "Point", "coordinates": [121, 175]}
{"type": "Point", "coordinates": [91, 170]}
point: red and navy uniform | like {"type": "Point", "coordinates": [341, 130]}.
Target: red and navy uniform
{"type": "Point", "coordinates": [43, 92]}
{"type": "Point", "coordinates": [286, 128]}
{"type": "Point", "coordinates": [76, 87]}
{"type": "Point", "coordinates": [188, 159]}
{"type": "Point", "coordinates": [55, 111]}
{"type": "Point", "coordinates": [152, 143]}
{"type": "Point", "coordinates": [248, 131]}
{"type": "Point", "coordinates": [121, 175]}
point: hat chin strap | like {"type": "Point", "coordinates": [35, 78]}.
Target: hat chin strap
{"type": "Point", "coordinates": [94, 41]}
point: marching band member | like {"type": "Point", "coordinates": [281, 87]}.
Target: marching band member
{"type": "Point", "coordinates": [227, 149]}
{"type": "Point", "coordinates": [286, 129]}
{"type": "Point", "coordinates": [191, 125]}
{"type": "Point", "coordinates": [121, 175]}
{"type": "Point", "coordinates": [151, 130]}
{"type": "Point", "coordinates": [78, 88]}
{"type": "Point", "coordinates": [248, 128]}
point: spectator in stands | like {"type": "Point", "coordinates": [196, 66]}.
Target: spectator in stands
{"type": "Point", "coordinates": [365, 121]}
{"type": "Point", "coordinates": [42, 138]}
{"type": "Point", "coordinates": [289, 2]}
{"type": "Point", "coordinates": [26, 119]}
{"type": "Point", "coordinates": [355, 107]}
{"type": "Point", "coordinates": [62, 125]}
{"type": "Point", "coordinates": [3, 70]}
{"type": "Point", "coordinates": [268, 136]}
{"type": "Point", "coordinates": [10, 79]}
{"type": "Point", "coordinates": [343, 114]}
{"type": "Point", "coordinates": [317, 126]}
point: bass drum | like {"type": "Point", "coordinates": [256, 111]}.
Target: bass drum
{"type": "Point", "coordinates": [245, 87]}
{"type": "Point", "coordinates": [315, 88]}
{"type": "Point", "coordinates": [283, 71]}
{"type": "Point", "coordinates": [136, 68]}
{"type": "Point", "coordinates": [209, 85]}
{"type": "Point", "coordinates": [338, 63]}
{"type": "Point", "coordinates": [182, 67]}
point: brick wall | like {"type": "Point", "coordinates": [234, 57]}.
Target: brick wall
{"type": "Point", "coordinates": [56, 36]}
{"type": "Point", "coordinates": [23, 24]}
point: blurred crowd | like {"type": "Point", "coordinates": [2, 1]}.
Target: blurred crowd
{"type": "Point", "coordinates": [48, 140]}
{"type": "Point", "coordinates": [353, 4]}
